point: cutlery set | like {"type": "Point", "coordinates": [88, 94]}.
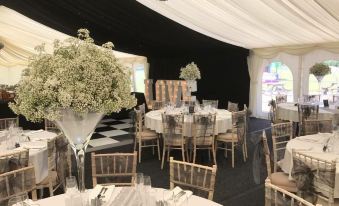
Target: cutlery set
{"type": "Point", "coordinates": [175, 198]}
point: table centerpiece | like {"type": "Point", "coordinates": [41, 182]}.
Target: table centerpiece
{"type": "Point", "coordinates": [190, 73]}
{"type": "Point", "coordinates": [319, 70]}
{"type": "Point", "coordinates": [74, 86]}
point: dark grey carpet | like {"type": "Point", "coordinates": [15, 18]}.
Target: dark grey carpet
{"type": "Point", "coordinates": [234, 186]}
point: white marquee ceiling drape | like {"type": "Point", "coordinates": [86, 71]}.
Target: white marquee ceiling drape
{"type": "Point", "coordinates": [21, 34]}
{"type": "Point", "coordinates": [256, 23]}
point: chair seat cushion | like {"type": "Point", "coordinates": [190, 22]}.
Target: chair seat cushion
{"type": "Point", "coordinates": [281, 179]}
{"type": "Point", "coordinates": [227, 137]}
{"type": "Point", "coordinates": [147, 134]}
{"type": "Point", "coordinates": [53, 176]}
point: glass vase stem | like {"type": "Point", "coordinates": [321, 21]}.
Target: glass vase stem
{"type": "Point", "coordinates": [80, 160]}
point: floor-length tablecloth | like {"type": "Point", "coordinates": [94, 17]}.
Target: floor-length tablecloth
{"type": "Point", "coordinates": [312, 145]}
{"type": "Point", "coordinates": [288, 111]}
{"type": "Point", "coordinates": [223, 122]}
{"type": "Point", "coordinates": [59, 200]}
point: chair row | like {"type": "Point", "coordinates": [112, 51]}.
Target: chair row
{"type": "Point", "coordinates": [120, 169]}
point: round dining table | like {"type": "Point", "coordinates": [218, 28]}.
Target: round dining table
{"type": "Point", "coordinates": [153, 121]}
{"type": "Point", "coordinates": [289, 111]}
{"type": "Point", "coordinates": [313, 145]}
{"type": "Point", "coordinates": [60, 200]}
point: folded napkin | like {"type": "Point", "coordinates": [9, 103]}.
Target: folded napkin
{"type": "Point", "coordinates": [171, 197]}
{"type": "Point", "coordinates": [105, 197]}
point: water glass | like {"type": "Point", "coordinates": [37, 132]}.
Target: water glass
{"type": "Point", "coordinates": [71, 185]}
{"type": "Point", "coordinates": [147, 184]}
{"type": "Point", "coordinates": [18, 200]}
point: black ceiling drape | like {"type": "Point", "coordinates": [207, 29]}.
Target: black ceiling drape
{"type": "Point", "coordinates": [136, 29]}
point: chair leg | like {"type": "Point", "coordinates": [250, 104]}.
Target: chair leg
{"type": "Point", "coordinates": [158, 144]}
{"type": "Point", "coordinates": [168, 153]}
{"type": "Point", "coordinates": [183, 153]}
{"type": "Point", "coordinates": [140, 149]}
{"type": "Point", "coordinates": [153, 148]}
{"type": "Point", "coordinates": [194, 153]}
{"type": "Point", "coordinates": [34, 195]}
{"type": "Point", "coordinates": [232, 154]}
{"type": "Point", "coordinates": [214, 155]}
{"type": "Point", "coordinates": [243, 152]}
{"type": "Point", "coordinates": [209, 154]}
{"type": "Point", "coordinates": [50, 188]}
{"type": "Point", "coordinates": [163, 156]}
{"type": "Point", "coordinates": [225, 150]}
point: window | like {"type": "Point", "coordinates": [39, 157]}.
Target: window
{"type": "Point", "coordinates": [277, 79]}
{"type": "Point", "coordinates": [329, 85]}
{"type": "Point", "coordinates": [138, 78]}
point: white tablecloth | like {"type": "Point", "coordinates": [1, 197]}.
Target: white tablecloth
{"type": "Point", "coordinates": [287, 111]}
{"type": "Point", "coordinates": [312, 145]}
{"type": "Point", "coordinates": [59, 200]}
{"type": "Point", "coordinates": [223, 122]}
{"type": "Point", "coordinates": [38, 156]}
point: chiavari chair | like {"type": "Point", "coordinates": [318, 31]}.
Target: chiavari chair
{"type": "Point", "coordinates": [197, 178]}
{"type": "Point", "coordinates": [114, 168]}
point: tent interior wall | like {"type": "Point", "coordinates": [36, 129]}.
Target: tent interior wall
{"type": "Point", "coordinates": [136, 29]}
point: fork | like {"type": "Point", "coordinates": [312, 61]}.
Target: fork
{"type": "Point", "coordinates": [177, 196]}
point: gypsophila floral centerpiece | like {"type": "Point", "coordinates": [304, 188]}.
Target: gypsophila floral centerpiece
{"type": "Point", "coordinates": [320, 69]}
{"type": "Point", "coordinates": [78, 75]}
{"type": "Point", "coordinates": [74, 87]}
{"type": "Point", "coordinates": [190, 72]}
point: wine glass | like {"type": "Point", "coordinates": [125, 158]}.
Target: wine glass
{"type": "Point", "coordinates": [18, 200]}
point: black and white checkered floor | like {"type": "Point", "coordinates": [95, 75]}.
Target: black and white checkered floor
{"type": "Point", "coordinates": [111, 133]}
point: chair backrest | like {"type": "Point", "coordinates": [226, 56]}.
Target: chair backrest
{"type": "Point", "coordinates": [51, 151]}
{"type": "Point", "coordinates": [213, 103]}
{"type": "Point", "coordinates": [203, 126]}
{"type": "Point", "coordinates": [239, 125]}
{"type": "Point", "coordinates": [232, 107]}
{"type": "Point", "coordinates": [267, 153]}
{"type": "Point", "coordinates": [156, 105]}
{"type": "Point", "coordinates": [275, 195]}
{"type": "Point", "coordinates": [14, 160]}
{"type": "Point", "coordinates": [198, 178]}
{"type": "Point", "coordinates": [281, 134]}
{"type": "Point", "coordinates": [316, 126]}
{"type": "Point", "coordinates": [7, 122]}
{"type": "Point", "coordinates": [51, 127]}
{"type": "Point", "coordinates": [173, 125]}
{"type": "Point", "coordinates": [114, 168]}
{"type": "Point", "coordinates": [63, 158]}
{"type": "Point", "coordinates": [311, 98]}
{"type": "Point", "coordinates": [307, 112]}
{"type": "Point", "coordinates": [17, 182]}
{"type": "Point", "coordinates": [314, 175]}
{"type": "Point", "coordinates": [139, 121]}
{"type": "Point", "coordinates": [281, 98]}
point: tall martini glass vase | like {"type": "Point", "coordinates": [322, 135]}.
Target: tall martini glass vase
{"type": "Point", "coordinates": [78, 129]}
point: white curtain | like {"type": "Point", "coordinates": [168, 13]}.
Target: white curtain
{"type": "Point", "coordinates": [21, 34]}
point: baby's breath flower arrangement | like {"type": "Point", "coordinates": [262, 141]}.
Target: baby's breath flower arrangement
{"type": "Point", "coordinates": [320, 69]}
{"type": "Point", "coordinates": [190, 72]}
{"type": "Point", "coordinates": [78, 75]}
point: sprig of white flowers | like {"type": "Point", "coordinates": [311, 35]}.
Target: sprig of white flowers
{"type": "Point", "coordinates": [79, 75]}
{"type": "Point", "coordinates": [190, 72]}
